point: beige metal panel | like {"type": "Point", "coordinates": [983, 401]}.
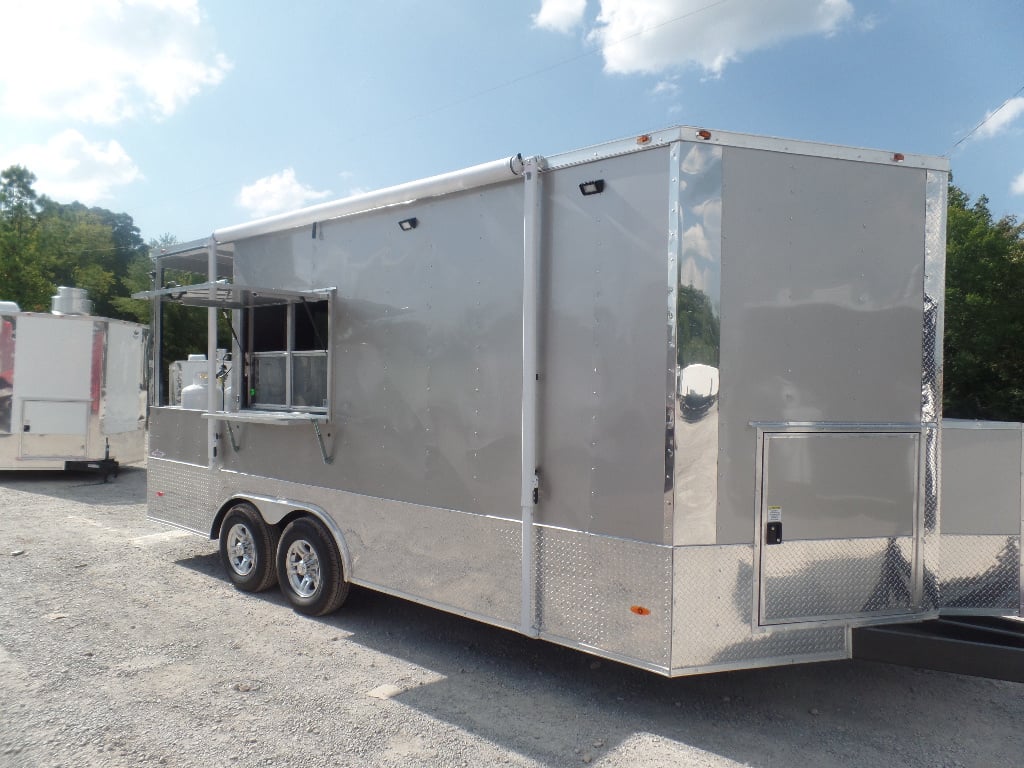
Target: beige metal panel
{"type": "Point", "coordinates": [603, 348]}
{"type": "Point", "coordinates": [426, 352]}
{"type": "Point", "coordinates": [981, 478]}
{"type": "Point", "coordinates": [823, 272]}
{"type": "Point", "coordinates": [842, 486]}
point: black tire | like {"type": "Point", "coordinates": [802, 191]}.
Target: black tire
{"type": "Point", "coordinates": [309, 568]}
{"type": "Point", "coordinates": [247, 547]}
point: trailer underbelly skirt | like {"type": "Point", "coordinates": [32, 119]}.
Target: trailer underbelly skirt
{"type": "Point", "coordinates": [612, 597]}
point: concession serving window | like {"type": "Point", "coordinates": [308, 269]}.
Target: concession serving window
{"type": "Point", "coordinates": [281, 359]}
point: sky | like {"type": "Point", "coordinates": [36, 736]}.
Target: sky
{"type": "Point", "coordinates": [191, 115]}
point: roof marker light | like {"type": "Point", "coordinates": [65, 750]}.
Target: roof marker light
{"type": "Point", "coordinates": [704, 133]}
{"type": "Point", "coordinates": [897, 157]}
{"type": "Point", "coordinates": [643, 139]}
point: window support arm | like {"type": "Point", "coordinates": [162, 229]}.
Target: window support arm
{"type": "Point", "coordinates": [320, 439]}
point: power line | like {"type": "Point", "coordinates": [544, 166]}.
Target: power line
{"type": "Point", "coordinates": [988, 117]}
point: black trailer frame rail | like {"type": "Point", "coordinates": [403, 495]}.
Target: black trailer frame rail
{"type": "Point", "coordinates": [983, 646]}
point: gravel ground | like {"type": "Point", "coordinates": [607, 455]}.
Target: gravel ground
{"type": "Point", "coordinates": [121, 644]}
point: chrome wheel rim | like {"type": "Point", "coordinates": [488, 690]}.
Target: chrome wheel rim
{"type": "Point", "coordinates": [303, 567]}
{"type": "Point", "coordinates": [241, 547]}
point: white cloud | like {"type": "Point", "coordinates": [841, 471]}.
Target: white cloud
{"type": "Point", "coordinates": [998, 120]}
{"type": "Point", "coordinates": [652, 36]}
{"type": "Point", "coordinates": [666, 88]}
{"type": "Point", "coordinates": [560, 15]}
{"type": "Point", "coordinates": [69, 167]}
{"type": "Point", "coordinates": [277, 193]}
{"type": "Point", "coordinates": [103, 61]}
{"type": "Point", "coordinates": [1017, 185]}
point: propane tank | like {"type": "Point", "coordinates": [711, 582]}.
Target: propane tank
{"type": "Point", "coordinates": [193, 397]}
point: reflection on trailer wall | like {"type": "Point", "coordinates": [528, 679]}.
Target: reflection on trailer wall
{"type": "Point", "coordinates": [695, 279]}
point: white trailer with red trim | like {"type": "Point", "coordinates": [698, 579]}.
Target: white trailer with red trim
{"type": "Point", "coordinates": [72, 388]}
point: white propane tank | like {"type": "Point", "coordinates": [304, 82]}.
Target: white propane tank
{"type": "Point", "coordinates": [193, 397]}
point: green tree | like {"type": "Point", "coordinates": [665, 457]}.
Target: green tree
{"type": "Point", "coordinates": [75, 249]}
{"type": "Point", "coordinates": [22, 274]}
{"type": "Point", "coordinates": [983, 357]}
{"type": "Point", "coordinates": [45, 244]}
{"type": "Point", "coordinates": [19, 203]}
{"type": "Point", "coordinates": [699, 331]}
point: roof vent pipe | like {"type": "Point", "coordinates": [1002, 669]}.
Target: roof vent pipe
{"type": "Point", "coordinates": [70, 301]}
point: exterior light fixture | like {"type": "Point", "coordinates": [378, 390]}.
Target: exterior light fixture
{"type": "Point", "coordinates": [595, 187]}
{"type": "Point", "coordinates": [407, 224]}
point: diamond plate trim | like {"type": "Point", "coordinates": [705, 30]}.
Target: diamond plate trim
{"type": "Point", "coordinates": [183, 495]}
{"type": "Point", "coordinates": [807, 580]}
{"type": "Point", "coordinates": [587, 586]}
{"type": "Point", "coordinates": [931, 540]}
{"type": "Point", "coordinates": [713, 600]}
{"type": "Point", "coordinates": [981, 572]}
{"type": "Point", "coordinates": [936, 184]}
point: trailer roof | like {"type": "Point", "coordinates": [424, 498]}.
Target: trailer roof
{"type": "Point", "coordinates": [193, 256]}
{"type": "Point", "coordinates": [694, 134]}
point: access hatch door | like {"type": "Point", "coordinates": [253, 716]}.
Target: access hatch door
{"type": "Point", "coordinates": [837, 527]}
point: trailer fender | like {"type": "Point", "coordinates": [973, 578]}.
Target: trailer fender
{"type": "Point", "coordinates": [275, 510]}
